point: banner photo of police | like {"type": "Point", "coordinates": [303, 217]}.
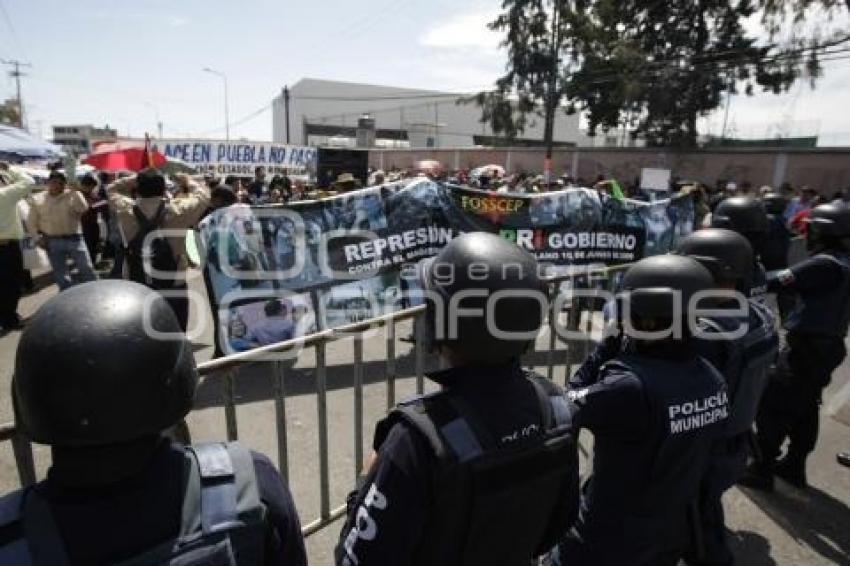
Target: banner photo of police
{"type": "Point", "coordinates": [239, 157]}
{"type": "Point", "coordinates": [279, 272]}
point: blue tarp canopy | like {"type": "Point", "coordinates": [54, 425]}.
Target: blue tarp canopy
{"type": "Point", "coordinates": [17, 143]}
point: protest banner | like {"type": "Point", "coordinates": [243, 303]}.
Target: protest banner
{"type": "Point", "coordinates": [321, 264]}
{"type": "Point", "coordinates": [239, 157]}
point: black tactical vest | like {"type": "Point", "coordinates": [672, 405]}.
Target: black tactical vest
{"type": "Point", "coordinates": [223, 521]}
{"type": "Point", "coordinates": [493, 504]}
{"type": "Point", "coordinates": [747, 364]}
{"type": "Point", "coordinates": [758, 286]}
{"type": "Point", "coordinates": [826, 312]}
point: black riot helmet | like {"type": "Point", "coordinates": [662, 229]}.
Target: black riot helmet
{"type": "Point", "coordinates": [94, 367]}
{"type": "Point", "coordinates": [828, 227]}
{"type": "Point", "coordinates": [744, 215]}
{"type": "Point", "coordinates": [726, 254]}
{"type": "Point", "coordinates": [483, 271]}
{"type": "Point", "coordinates": [652, 287]}
{"type": "Point", "coordinates": [774, 203]}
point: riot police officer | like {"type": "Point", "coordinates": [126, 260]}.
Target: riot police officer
{"type": "Point", "coordinates": [777, 244]}
{"type": "Point", "coordinates": [814, 348]}
{"type": "Point", "coordinates": [748, 217]}
{"type": "Point", "coordinates": [485, 471]}
{"type": "Point", "coordinates": [655, 409]}
{"type": "Point", "coordinates": [100, 371]}
{"type": "Point", "coordinates": [740, 340]}
{"type": "Point", "coordinates": [778, 240]}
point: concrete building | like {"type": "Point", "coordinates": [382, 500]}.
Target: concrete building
{"type": "Point", "coordinates": [327, 113]}
{"type": "Point", "coordinates": [80, 138]}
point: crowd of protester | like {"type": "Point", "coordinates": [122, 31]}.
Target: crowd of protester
{"type": "Point", "coordinates": [85, 228]}
{"type": "Point", "coordinates": [84, 224]}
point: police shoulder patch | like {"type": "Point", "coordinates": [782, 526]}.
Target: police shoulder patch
{"type": "Point", "coordinates": [577, 394]}
{"type": "Point", "coordinates": [785, 277]}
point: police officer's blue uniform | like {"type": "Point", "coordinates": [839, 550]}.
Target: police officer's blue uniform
{"type": "Point", "coordinates": [778, 242]}
{"type": "Point", "coordinates": [745, 363]}
{"type": "Point", "coordinates": [118, 491]}
{"type": "Point", "coordinates": [486, 470]}
{"type": "Point", "coordinates": [758, 285]}
{"type": "Point", "coordinates": [149, 515]}
{"type": "Point", "coordinates": [654, 419]}
{"type": "Point", "coordinates": [470, 475]}
{"type": "Point", "coordinates": [211, 502]}
{"type": "Point", "coordinates": [775, 257]}
{"type": "Point", "coordinates": [815, 348]}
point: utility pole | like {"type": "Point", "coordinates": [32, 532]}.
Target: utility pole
{"type": "Point", "coordinates": [223, 77]}
{"type": "Point", "coordinates": [726, 111]}
{"type": "Point", "coordinates": [286, 109]}
{"type": "Point", "coordinates": [17, 74]}
{"type": "Point", "coordinates": [552, 98]}
{"type": "Point", "coordinates": [436, 125]}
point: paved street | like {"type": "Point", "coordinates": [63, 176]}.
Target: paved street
{"type": "Point", "coordinates": [786, 528]}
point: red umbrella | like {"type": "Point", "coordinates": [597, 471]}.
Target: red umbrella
{"type": "Point", "coordinates": [133, 156]}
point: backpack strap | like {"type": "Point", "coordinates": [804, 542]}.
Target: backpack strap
{"type": "Point", "coordinates": [147, 225]}
{"type": "Point", "coordinates": [440, 421]}
{"type": "Point", "coordinates": [217, 501]}
{"type": "Point", "coordinates": [553, 403]}
{"type": "Point", "coordinates": [221, 489]}
{"type": "Point", "coordinates": [14, 548]}
{"type": "Point", "coordinates": [45, 542]}
{"type": "Point", "coordinates": [38, 541]}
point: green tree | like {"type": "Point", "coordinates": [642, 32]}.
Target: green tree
{"type": "Point", "coordinates": [648, 66]}
{"type": "Point", "coordinates": [541, 47]}
{"type": "Point", "coordinates": [656, 67]}
{"type": "Point", "coordinates": [9, 112]}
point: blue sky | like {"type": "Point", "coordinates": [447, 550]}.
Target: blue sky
{"type": "Point", "coordinates": [124, 62]}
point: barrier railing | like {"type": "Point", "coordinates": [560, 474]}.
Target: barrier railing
{"type": "Point", "coordinates": [227, 369]}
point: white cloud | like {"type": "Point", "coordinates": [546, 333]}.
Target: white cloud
{"type": "Point", "coordinates": [456, 71]}
{"type": "Point", "coordinates": [461, 53]}
{"type": "Point", "coordinates": [802, 111]}
{"type": "Point", "coordinates": [177, 21]}
{"type": "Point", "coordinates": [464, 31]}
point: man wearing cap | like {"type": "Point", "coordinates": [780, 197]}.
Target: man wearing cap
{"type": "Point", "coordinates": [14, 186]}
{"type": "Point", "coordinates": [55, 217]}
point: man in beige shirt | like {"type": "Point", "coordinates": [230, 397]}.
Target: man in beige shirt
{"type": "Point", "coordinates": [142, 206]}
{"type": "Point", "coordinates": [14, 187]}
{"type": "Point", "coordinates": [55, 218]}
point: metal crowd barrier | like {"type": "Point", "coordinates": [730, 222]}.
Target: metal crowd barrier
{"type": "Point", "coordinates": [227, 368]}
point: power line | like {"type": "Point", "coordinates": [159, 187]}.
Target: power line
{"type": "Point", "coordinates": [652, 68]}
{"type": "Point", "coordinates": [370, 20]}
{"type": "Point", "coordinates": [674, 66]}
{"type": "Point", "coordinates": [345, 115]}
{"type": "Point", "coordinates": [11, 27]}
{"type": "Point", "coordinates": [602, 77]}
{"type": "Point", "coordinates": [240, 121]}
{"type": "Point", "coordinates": [658, 66]}
{"type": "Point", "coordinates": [377, 98]}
